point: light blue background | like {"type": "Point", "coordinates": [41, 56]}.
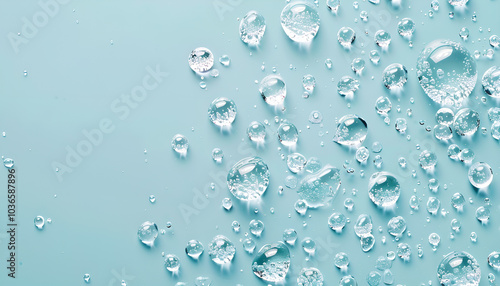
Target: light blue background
{"type": "Point", "coordinates": [75, 73]}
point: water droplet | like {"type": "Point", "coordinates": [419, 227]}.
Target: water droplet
{"type": "Point", "coordinates": [347, 86]}
{"type": "Point", "coordinates": [363, 226]}
{"type": "Point", "coordinates": [401, 125]}
{"type": "Point", "coordinates": [290, 236]}
{"type": "Point", "coordinates": [383, 105]}
{"type": "Point", "coordinates": [39, 222]}
{"type": "Point", "coordinates": [272, 262]}
{"type": "Point", "coordinates": [256, 132]}
{"type": "Point", "coordinates": [296, 162]}
{"type": "Point", "coordinates": [466, 122]}
{"type": "Point", "coordinates": [383, 189]}
{"type": "Point", "coordinates": [248, 179]}
{"type": "Point", "coordinates": [320, 188]}
{"type": "Point", "coordinates": [341, 260]}
{"type": "Point", "coordinates": [433, 205]}
{"type": "Point", "coordinates": [147, 233]}
{"type": "Point", "coordinates": [427, 160]}
{"type": "Point", "coordinates": [225, 60]}
{"type": "Point", "coordinates": [374, 278]}
{"type": "Point", "coordinates": [459, 268]}
{"type": "Point", "coordinates": [333, 5]}
{"type": "Point", "coordinates": [86, 278]}
{"type": "Point", "coordinates": [300, 21]}
{"type": "Point", "coordinates": [362, 154]}
{"type": "Point", "coordinates": [495, 41]}
{"type": "Point", "coordinates": [494, 260]}
{"type": "Point", "coordinates": [180, 144]}
{"type": "Point", "coordinates": [346, 36]}
{"type": "Point", "coordinates": [222, 112]}
{"type": "Point", "coordinates": [337, 222]}
{"type": "Point", "coordinates": [351, 130]}
{"type": "Point", "coordinates": [447, 72]}
{"type": "Point", "coordinates": [252, 28]}
{"type": "Point", "coordinates": [201, 60]}
{"type": "Point", "coordinates": [396, 226]}
{"type": "Point", "coordinates": [310, 277]}
{"type": "Point", "coordinates": [217, 155]}
{"type": "Point", "coordinates": [221, 250]}
{"type": "Point", "coordinates": [382, 39]}
{"type": "Point", "coordinates": [367, 242]}
{"type": "Point", "coordinates": [491, 82]}
{"type": "Point", "coordinates": [395, 76]}
{"type": "Point", "coordinates": [194, 249]}
{"type": "Point", "coordinates": [480, 175]}
{"type": "Point", "coordinates": [357, 65]}
{"type": "Point", "coordinates": [374, 57]}
{"type": "Point", "coordinates": [172, 263]}
{"type": "Point", "coordinates": [8, 163]}
{"type": "Point", "coordinates": [273, 90]}
{"type": "Point", "coordinates": [458, 3]}
{"type": "Point", "coordinates": [348, 280]}
{"type": "Point", "coordinates": [404, 251]}
{"type": "Point", "coordinates": [406, 27]}
{"type": "Point", "coordinates": [288, 134]}
{"type": "Point", "coordinates": [466, 155]}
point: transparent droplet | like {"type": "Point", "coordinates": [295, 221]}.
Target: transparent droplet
{"type": "Point", "coordinates": [252, 28]}
{"type": "Point", "coordinates": [337, 222]}
{"type": "Point", "coordinates": [272, 88]}
{"type": "Point", "coordinates": [194, 249]}
{"type": "Point", "coordinates": [225, 60]}
{"type": "Point", "coordinates": [383, 189]}
{"type": "Point", "coordinates": [310, 277]}
{"type": "Point", "coordinates": [445, 116]}
{"type": "Point", "coordinates": [320, 188]}
{"type": "Point", "coordinates": [341, 260]}
{"type": "Point", "coordinates": [315, 117]}
{"type": "Point", "coordinates": [300, 207]}
{"type": "Point", "coordinates": [39, 222]}
{"type": "Point", "coordinates": [466, 122]}
{"type": "Point", "coordinates": [363, 226]}
{"type": "Point", "coordinates": [435, 5]}
{"type": "Point", "coordinates": [466, 155]}
{"type": "Point", "coordinates": [300, 21]}
{"type": "Point", "coordinates": [333, 5]}
{"type": "Point", "coordinates": [147, 233]}
{"type": "Point", "coordinates": [309, 245]}
{"type": "Point", "coordinates": [272, 262]}
{"type": "Point", "coordinates": [309, 83]}
{"type": "Point", "coordinates": [346, 37]}
{"type": "Point", "coordinates": [483, 214]}
{"type": "Point", "coordinates": [8, 163]}
{"type": "Point", "coordinates": [382, 39]}
{"type": "Point", "coordinates": [348, 280]}
{"type": "Point", "coordinates": [491, 82]}
{"type": "Point", "coordinates": [427, 160]}
{"type": "Point", "coordinates": [453, 151]}
{"type": "Point", "coordinates": [458, 3]}
{"type": "Point", "coordinates": [396, 226]}
{"type": "Point", "coordinates": [249, 244]}
{"type": "Point", "coordinates": [201, 60]}
{"type": "Point", "coordinates": [383, 105]}
{"type": "Point", "coordinates": [495, 41]}
{"type": "Point", "coordinates": [357, 65]}
{"type": "Point", "coordinates": [374, 278]}
{"type": "Point", "coordinates": [172, 263]}
{"type": "Point", "coordinates": [248, 179]}
{"type": "Point", "coordinates": [401, 125]}
{"type": "Point", "coordinates": [404, 251]}
{"type": "Point", "coordinates": [227, 203]}
{"type": "Point", "coordinates": [395, 76]}
{"type": "Point", "coordinates": [447, 72]}
{"type": "Point", "coordinates": [222, 112]}
{"type": "Point", "coordinates": [347, 86]}
{"type": "Point", "coordinates": [459, 268]}
{"type": "Point", "coordinates": [374, 57]}
{"type": "Point", "coordinates": [480, 175]}
{"type": "Point", "coordinates": [256, 132]}
{"type": "Point", "coordinates": [406, 27]}
{"type": "Point", "coordinates": [434, 239]}
{"type": "Point", "coordinates": [296, 162]}
{"type": "Point", "coordinates": [86, 278]}
{"type": "Point", "coordinates": [414, 203]}
{"type": "Point", "coordinates": [494, 260]}
{"type": "Point", "coordinates": [351, 130]}
{"type": "Point", "coordinates": [288, 134]}
{"type": "Point", "coordinates": [433, 205]}
{"type": "Point", "coordinates": [180, 144]}
{"type": "Point", "coordinates": [221, 250]}
{"type": "Point", "coordinates": [290, 236]}
{"type": "Point", "coordinates": [256, 227]}
{"type": "Point", "coordinates": [443, 132]}
{"type": "Point", "coordinates": [367, 242]}
{"type": "Point", "coordinates": [362, 154]}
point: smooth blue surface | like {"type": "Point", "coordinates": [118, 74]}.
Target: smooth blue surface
{"type": "Point", "coordinates": [89, 53]}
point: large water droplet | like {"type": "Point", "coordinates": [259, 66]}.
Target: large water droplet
{"type": "Point", "coordinates": [201, 60]}
{"type": "Point", "coordinates": [248, 179]}
{"type": "Point", "coordinates": [466, 122]}
{"type": "Point", "coordinates": [221, 250]}
{"type": "Point", "coordinates": [272, 88]}
{"type": "Point", "coordinates": [383, 189]}
{"type": "Point", "coordinates": [351, 130]}
{"type": "Point", "coordinates": [447, 72]}
{"type": "Point", "coordinates": [147, 233]}
{"type": "Point", "coordinates": [320, 188]}
{"type": "Point", "coordinates": [272, 262]}
{"type": "Point", "coordinates": [300, 21]}
{"type": "Point", "coordinates": [459, 268]}
{"type": "Point", "coordinates": [396, 226]}
{"type": "Point", "coordinates": [252, 28]}
{"type": "Point", "coordinates": [222, 112]}
{"type": "Point", "coordinates": [395, 76]}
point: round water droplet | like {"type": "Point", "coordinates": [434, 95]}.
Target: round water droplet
{"type": "Point", "coordinates": [172, 263]}
{"type": "Point", "coordinates": [396, 226]}
{"type": "Point", "coordinates": [252, 28]}
{"type": "Point", "coordinates": [221, 250]}
{"type": "Point", "coordinates": [495, 41]}
{"type": "Point", "coordinates": [383, 189]}
{"type": "Point", "coordinates": [320, 188]}
{"type": "Point", "coordinates": [39, 222]}
{"type": "Point", "coordinates": [296, 162]}
{"type": "Point", "coordinates": [494, 260]}
{"type": "Point", "coordinates": [309, 83]}
{"type": "Point", "coordinates": [180, 144]}
{"type": "Point", "coordinates": [225, 60]}
{"type": "Point", "coordinates": [447, 72]}
{"type": "Point", "coordinates": [288, 134]}
{"type": "Point", "coordinates": [341, 260]}
{"type": "Point", "coordinates": [427, 159]}
{"type": "Point", "coordinates": [300, 21]}
{"type": "Point", "coordinates": [401, 125]}
{"type": "Point", "coordinates": [466, 155]}
{"type": "Point", "coordinates": [346, 36]}
{"type": "Point", "coordinates": [272, 88]}
{"type": "Point", "coordinates": [248, 179]}
{"type": "Point", "coordinates": [483, 214]}
{"type": "Point", "coordinates": [272, 262]}
{"type": "Point", "coordinates": [194, 249]}
{"type": "Point", "coordinates": [443, 132]}
{"type": "Point", "coordinates": [8, 163]}
{"type": "Point", "coordinates": [433, 205]}
{"type": "Point", "coordinates": [201, 60]}
{"type": "Point", "coordinates": [406, 27]}
{"type": "Point", "coordinates": [374, 278]}
{"type": "Point", "coordinates": [491, 82]}
{"type": "Point", "coordinates": [459, 268]}
{"type": "Point", "coordinates": [217, 155]}
{"type": "Point", "coordinates": [357, 65]}
{"type": "Point", "coordinates": [382, 39]}
{"type": "Point", "coordinates": [404, 251]}
{"type": "Point", "coordinates": [222, 112]}
{"type": "Point", "coordinates": [383, 105]}
{"type": "Point", "coordinates": [374, 57]}
{"type": "Point", "coordinates": [466, 122]}
{"type": "Point", "coordinates": [362, 154]}
{"type": "Point", "coordinates": [351, 130]}
{"type": "Point", "coordinates": [315, 117]}
{"type": "Point", "coordinates": [290, 236]}
{"type": "Point", "coordinates": [147, 233]}
{"type": "Point", "coordinates": [480, 175]}
{"type": "Point", "coordinates": [337, 222]}
{"type": "Point", "coordinates": [256, 132]}
{"type": "Point", "coordinates": [310, 277]}
{"type": "Point", "coordinates": [256, 227]}
{"type": "Point", "coordinates": [347, 86]}
{"type": "Point", "coordinates": [445, 116]}
{"type": "Point", "coordinates": [333, 5]}
{"type": "Point", "coordinates": [453, 151]}
{"type": "Point", "coordinates": [348, 280]}
{"type": "Point", "coordinates": [249, 244]}
{"type": "Point", "coordinates": [395, 76]}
